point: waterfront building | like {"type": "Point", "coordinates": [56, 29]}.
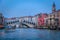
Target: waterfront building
{"type": "Point", "coordinates": [41, 19]}
{"type": "Point", "coordinates": [27, 18]}
{"type": "Point", "coordinates": [34, 20]}
{"type": "Point", "coordinates": [1, 20]}
{"type": "Point", "coordinates": [53, 19]}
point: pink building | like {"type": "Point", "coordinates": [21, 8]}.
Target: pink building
{"type": "Point", "coordinates": [41, 19]}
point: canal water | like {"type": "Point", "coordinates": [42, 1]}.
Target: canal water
{"type": "Point", "coordinates": [29, 34]}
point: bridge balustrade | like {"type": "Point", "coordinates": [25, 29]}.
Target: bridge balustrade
{"type": "Point", "coordinates": [12, 22]}
{"type": "Point", "coordinates": [29, 22]}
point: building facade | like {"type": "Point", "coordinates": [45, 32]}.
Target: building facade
{"type": "Point", "coordinates": [1, 20]}
{"type": "Point", "coordinates": [53, 19]}
{"type": "Point", "coordinates": [41, 19]}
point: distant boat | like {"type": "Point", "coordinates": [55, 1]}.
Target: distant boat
{"type": "Point", "coordinates": [9, 29]}
{"type": "Point", "coordinates": [2, 27]}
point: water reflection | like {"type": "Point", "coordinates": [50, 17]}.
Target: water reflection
{"type": "Point", "coordinates": [2, 33]}
{"type": "Point", "coordinates": [55, 34]}
{"type": "Point", "coordinates": [9, 31]}
{"type": "Point", "coordinates": [30, 34]}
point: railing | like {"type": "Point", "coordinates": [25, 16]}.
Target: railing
{"type": "Point", "coordinates": [29, 22]}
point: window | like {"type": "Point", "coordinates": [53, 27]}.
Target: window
{"type": "Point", "coordinates": [56, 20]}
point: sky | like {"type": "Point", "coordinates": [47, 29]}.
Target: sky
{"type": "Point", "coordinates": [19, 8]}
